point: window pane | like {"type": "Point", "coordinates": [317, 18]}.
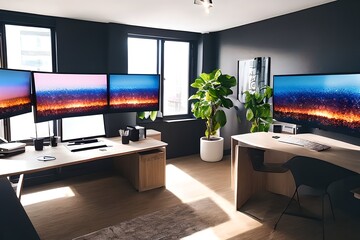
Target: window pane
{"type": "Point", "coordinates": [23, 127]}
{"type": "Point", "coordinates": [142, 55]}
{"type": "Point", "coordinates": [28, 48]}
{"type": "Point", "coordinates": [176, 77]}
{"type": "Point", "coordinates": [2, 128]}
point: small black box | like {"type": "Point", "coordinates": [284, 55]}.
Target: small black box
{"type": "Point", "coordinates": [277, 128]}
{"type": "Point", "coordinates": [133, 133]}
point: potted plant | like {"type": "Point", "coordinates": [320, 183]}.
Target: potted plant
{"type": "Point", "coordinates": [211, 95]}
{"type": "Point", "coordinates": [258, 109]}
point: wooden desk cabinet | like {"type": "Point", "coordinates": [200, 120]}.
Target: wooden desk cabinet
{"type": "Point", "coordinates": [144, 170]}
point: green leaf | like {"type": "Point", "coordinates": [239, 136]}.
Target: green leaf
{"type": "Point", "coordinates": [153, 115]}
{"type": "Point", "coordinates": [220, 117]}
{"type": "Point", "coordinates": [217, 73]}
{"type": "Point", "coordinates": [268, 92]}
{"type": "Point", "coordinates": [227, 81]}
{"type": "Point", "coordinates": [254, 128]}
{"type": "Point", "coordinates": [249, 114]}
{"type": "Point", "coordinates": [205, 77]}
{"type": "Point", "coordinates": [227, 103]}
{"type": "Point", "coordinates": [213, 93]}
{"type": "Point", "coordinates": [141, 115]}
{"type": "Point", "coordinates": [206, 111]}
{"type": "Point", "coordinates": [199, 83]}
{"type": "Point", "coordinates": [195, 96]}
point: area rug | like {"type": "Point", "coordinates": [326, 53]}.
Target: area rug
{"type": "Point", "coordinates": [171, 223]}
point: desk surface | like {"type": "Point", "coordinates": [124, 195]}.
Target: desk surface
{"type": "Point", "coordinates": [342, 154]}
{"type": "Point", "coordinates": [27, 162]}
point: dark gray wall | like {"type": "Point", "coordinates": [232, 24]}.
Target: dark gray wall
{"type": "Point", "coordinates": [81, 46]}
{"type": "Point", "coordinates": [323, 39]}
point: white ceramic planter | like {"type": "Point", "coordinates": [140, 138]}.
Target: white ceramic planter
{"type": "Point", "coordinates": [211, 151]}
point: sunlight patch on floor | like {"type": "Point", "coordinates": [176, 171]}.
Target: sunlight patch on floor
{"type": "Point", "coordinates": [238, 222]}
{"type": "Point", "coordinates": [47, 195]}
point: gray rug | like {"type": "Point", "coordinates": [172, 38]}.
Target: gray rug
{"type": "Point", "coordinates": [171, 223]}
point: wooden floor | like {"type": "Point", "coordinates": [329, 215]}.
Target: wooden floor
{"type": "Point", "coordinates": [77, 206]}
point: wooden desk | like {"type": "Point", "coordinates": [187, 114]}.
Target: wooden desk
{"type": "Point", "coordinates": [27, 163]}
{"type": "Point", "coordinates": [246, 181]}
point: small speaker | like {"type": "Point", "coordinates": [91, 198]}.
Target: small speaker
{"type": "Point", "coordinates": [276, 128]}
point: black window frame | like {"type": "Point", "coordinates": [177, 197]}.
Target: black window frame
{"type": "Point", "coordinates": [160, 69]}
{"type": "Point", "coordinates": [3, 56]}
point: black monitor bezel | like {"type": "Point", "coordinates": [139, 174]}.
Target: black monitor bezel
{"type": "Point", "coordinates": [28, 107]}
{"type": "Point", "coordinates": [111, 110]}
{"type": "Point", "coordinates": [50, 118]}
{"type": "Point", "coordinates": [312, 125]}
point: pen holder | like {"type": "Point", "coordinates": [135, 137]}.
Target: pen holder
{"type": "Point", "coordinates": [54, 141]}
{"type": "Point", "coordinates": [39, 144]}
{"type": "Point", "coordinates": [124, 136]}
{"type": "Point", "coordinates": [125, 139]}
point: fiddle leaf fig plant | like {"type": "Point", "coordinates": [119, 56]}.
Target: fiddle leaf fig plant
{"type": "Point", "coordinates": [211, 95]}
{"type": "Point", "coordinates": [258, 109]}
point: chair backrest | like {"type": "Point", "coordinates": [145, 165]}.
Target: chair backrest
{"type": "Point", "coordinates": [315, 173]}
{"type": "Point", "coordinates": [257, 158]}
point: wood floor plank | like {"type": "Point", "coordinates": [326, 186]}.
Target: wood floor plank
{"type": "Point", "coordinates": [88, 203]}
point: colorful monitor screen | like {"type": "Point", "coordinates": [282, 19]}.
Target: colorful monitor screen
{"type": "Point", "coordinates": [134, 92]}
{"type": "Point", "coordinates": [15, 92]}
{"type": "Point", "coordinates": [59, 95]}
{"type": "Point", "coordinates": [328, 102]}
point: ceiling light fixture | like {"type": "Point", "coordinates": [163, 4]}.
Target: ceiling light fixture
{"type": "Point", "coordinates": [206, 3]}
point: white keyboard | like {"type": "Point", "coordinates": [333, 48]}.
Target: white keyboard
{"type": "Point", "coordinates": [304, 143]}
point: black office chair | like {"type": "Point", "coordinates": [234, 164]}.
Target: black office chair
{"type": "Point", "coordinates": [256, 157]}
{"type": "Point", "coordinates": [18, 185]}
{"type": "Point", "coordinates": [258, 164]}
{"type": "Point", "coordinates": [316, 174]}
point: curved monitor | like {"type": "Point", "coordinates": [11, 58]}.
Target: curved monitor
{"type": "Point", "coordinates": [327, 101]}
{"type": "Point", "coordinates": [60, 95]}
{"type": "Point", "coordinates": [15, 92]}
{"type": "Point", "coordinates": [134, 92]}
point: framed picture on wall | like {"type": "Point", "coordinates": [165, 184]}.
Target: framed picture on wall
{"type": "Point", "coordinates": [253, 74]}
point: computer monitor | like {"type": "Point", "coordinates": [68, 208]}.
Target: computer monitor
{"type": "Point", "coordinates": [324, 101]}
{"type": "Point", "coordinates": [15, 92]}
{"type": "Point", "coordinates": [84, 127]}
{"type": "Point", "coordinates": [133, 92]}
{"type": "Point", "coordinates": [60, 95]}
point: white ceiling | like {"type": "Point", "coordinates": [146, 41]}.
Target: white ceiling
{"type": "Point", "coordinates": [165, 14]}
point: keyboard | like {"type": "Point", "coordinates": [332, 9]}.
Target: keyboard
{"type": "Point", "coordinates": [304, 143]}
{"type": "Point", "coordinates": [83, 147]}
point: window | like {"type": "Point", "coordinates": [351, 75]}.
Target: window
{"type": "Point", "coordinates": [28, 48]}
{"type": "Point", "coordinates": [176, 78]}
{"type": "Point", "coordinates": [172, 60]}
